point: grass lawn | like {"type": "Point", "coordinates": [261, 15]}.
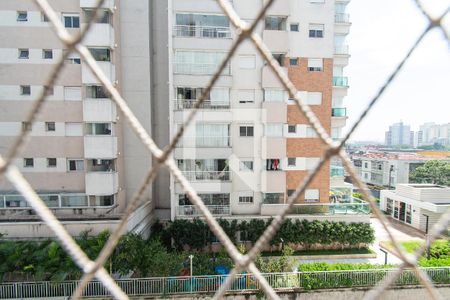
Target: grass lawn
{"type": "Point", "coordinates": [412, 246]}
{"type": "Point", "coordinates": [322, 252]}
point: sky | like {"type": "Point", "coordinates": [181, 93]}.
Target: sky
{"type": "Point", "coordinates": [381, 34]}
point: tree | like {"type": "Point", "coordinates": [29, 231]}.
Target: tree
{"type": "Point", "coordinates": [433, 171]}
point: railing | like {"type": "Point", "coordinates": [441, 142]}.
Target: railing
{"type": "Point", "coordinates": [338, 112]}
{"type": "Point", "coordinates": [181, 104]}
{"type": "Point", "coordinates": [341, 50]}
{"type": "Point", "coordinates": [204, 284]}
{"type": "Point", "coordinates": [205, 141]}
{"type": "Point", "coordinates": [341, 18]}
{"type": "Point", "coordinates": [214, 32]}
{"type": "Point", "coordinates": [198, 69]}
{"type": "Point", "coordinates": [324, 208]}
{"type": "Point", "coordinates": [16, 201]}
{"type": "Point", "coordinates": [207, 175]}
{"type": "Point", "coordinates": [192, 211]}
{"type": "Point", "coordinates": [340, 81]}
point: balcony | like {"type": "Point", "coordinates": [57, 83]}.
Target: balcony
{"type": "Point", "coordinates": [207, 104]}
{"type": "Point", "coordinates": [209, 32]}
{"type": "Point", "coordinates": [339, 112]}
{"type": "Point", "coordinates": [102, 183]}
{"type": "Point", "coordinates": [205, 142]}
{"type": "Point", "coordinates": [341, 50]}
{"type": "Point", "coordinates": [192, 211]}
{"type": "Point", "coordinates": [103, 110]}
{"type": "Point", "coordinates": [340, 81]}
{"type": "Point", "coordinates": [198, 69]}
{"type": "Point", "coordinates": [341, 18]}
{"type": "Point", "coordinates": [100, 35]}
{"type": "Point", "coordinates": [207, 175]}
{"type": "Point", "coordinates": [87, 77]}
{"type": "Point", "coordinates": [96, 146]}
{"type": "Point", "coordinates": [322, 209]}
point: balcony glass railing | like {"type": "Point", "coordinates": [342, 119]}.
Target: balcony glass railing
{"type": "Point", "coordinates": [198, 68]}
{"type": "Point", "coordinates": [205, 141]}
{"type": "Point", "coordinates": [341, 50]}
{"type": "Point", "coordinates": [213, 32]}
{"type": "Point", "coordinates": [192, 211]}
{"type": "Point", "coordinates": [325, 208]}
{"type": "Point", "coordinates": [341, 18]}
{"type": "Point", "coordinates": [181, 104]}
{"type": "Point", "coordinates": [273, 198]}
{"type": "Point", "coordinates": [207, 175]}
{"type": "Point", "coordinates": [340, 81]}
{"type": "Point", "coordinates": [337, 171]}
{"type": "Point", "coordinates": [338, 112]}
{"type": "Point", "coordinates": [15, 201]}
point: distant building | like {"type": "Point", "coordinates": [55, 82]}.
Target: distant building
{"type": "Point", "coordinates": [384, 169]}
{"type": "Point", "coordinates": [430, 133]}
{"type": "Point", "coordinates": [418, 205]}
{"type": "Point", "coordinates": [399, 134]}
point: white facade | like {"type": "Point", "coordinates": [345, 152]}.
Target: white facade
{"type": "Point", "coordinates": [419, 205]}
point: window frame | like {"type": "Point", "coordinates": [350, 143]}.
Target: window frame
{"type": "Point", "coordinates": [50, 161]}
{"type": "Point", "coordinates": [24, 88]}
{"type": "Point", "coordinates": [294, 24]}
{"type": "Point", "coordinates": [23, 50]}
{"type": "Point", "coordinates": [249, 131]}
{"type": "Point", "coordinates": [50, 126]}
{"type": "Point", "coordinates": [245, 199]}
{"type": "Point", "coordinates": [291, 161]}
{"type": "Point", "coordinates": [46, 51]}
{"type": "Point", "coordinates": [71, 16]}
{"type": "Point", "coordinates": [316, 33]}
{"type": "Point", "coordinates": [243, 166]}
{"type": "Point", "coordinates": [75, 160]}
{"type": "Point", "coordinates": [28, 159]}
{"type": "Point", "coordinates": [294, 127]}
{"type": "Point", "coordinates": [21, 12]}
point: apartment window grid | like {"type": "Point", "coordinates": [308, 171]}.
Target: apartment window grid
{"type": "Point", "coordinates": [24, 53]}
{"type": "Point", "coordinates": [246, 131]}
{"type": "Point", "coordinates": [22, 16]}
{"type": "Point", "coordinates": [71, 20]}
{"type": "Point", "coordinates": [316, 30]}
{"type": "Point", "coordinates": [245, 199]}
{"type": "Point", "coordinates": [116, 290]}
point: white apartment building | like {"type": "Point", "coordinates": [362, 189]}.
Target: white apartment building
{"type": "Point", "coordinates": [418, 205]}
{"type": "Point", "coordinates": [248, 148]}
{"type": "Point", "coordinates": [399, 134]}
{"type": "Point", "coordinates": [430, 133]}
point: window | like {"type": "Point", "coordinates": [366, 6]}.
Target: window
{"type": "Point", "coordinates": [274, 95]}
{"type": "Point", "coordinates": [273, 129]}
{"type": "Point", "coordinates": [96, 92]}
{"type": "Point", "coordinates": [199, 62]}
{"type": "Point", "coordinates": [279, 57]}
{"type": "Point", "coordinates": [26, 126]}
{"type": "Point", "coordinates": [22, 16]}
{"type": "Point", "coordinates": [246, 96]}
{"type": "Point", "coordinates": [24, 54]}
{"type": "Point", "coordinates": [72, 93]}
{"type": "Point", "coordinates": [294, 26]}
{"type": "Point", "coordinates": [101, 54]}
{"type": "Point", "coordinates": [312, 195]}
{"type": "Point", "coordinates": [245, 199]}
{"type": "Point", "coordinates": [246, 130]}
{"type": "Point", "coordinates": [102, 200]}
{"type": "Point", "coordinates": [273, 164]}
{"type": "Point", "coordinates": [75, 165]}
{"type": "Point", "coordinates": [98, 128]}
{"type": "Point", "coordinates": [273, 198]}
{"type": "Point", "coordinates": [291, 161]}
{"type": "Point", "coordinates": [47, 54]}
{"type": "Point", "coordinates": [71, 20]}
{"type": "Point", "coordinates": [50, 126]}
{"type": "Point", "coordinates": [247, 61]}
{"type": "Point", "coordinates": [51, 162]}
{"type": "Point", "coordinates": [275, 23]}
{"type": "Point", "coordinates": [48, 90]}
{"type": "Point", "coordinates": [389, 205]}
{"type": "Point", "coordinates": [315, 64]}
{"type": "Point", "coordinates": [25, 90]}
{"type": "Point", "coordinates": [293, 61]}
{"type": "Point", "coordinates": [316, 30]}
{"type": "Point", "coordinates": [44, 18]}
{"type": "Point", "coordinates": [290, 192]}
{"type": "Point", "coordinates": [202, 25]}
{"type": "Point", "coordinates": [28, 162]}
{"type": "Point", "coordinates": [314, 98]}
{"type": "Point", "coordinates": [292, 128]}
{"type": "Point", "coordinates": [246, 165]}
{"type": "Point", "coordinates": [366, 165]}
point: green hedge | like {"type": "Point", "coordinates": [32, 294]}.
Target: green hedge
{"type": "Point", "coordinates": [197, 235]}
